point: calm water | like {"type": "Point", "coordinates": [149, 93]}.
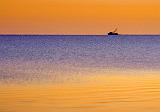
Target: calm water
{"type": "Point", "coordinates": [80, 73]}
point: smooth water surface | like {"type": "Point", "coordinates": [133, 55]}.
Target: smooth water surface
{"type": "Point", "coordinates": [80, 73]}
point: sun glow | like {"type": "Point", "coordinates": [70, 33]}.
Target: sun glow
{"type": "Point", "coordinates": [79, 17]}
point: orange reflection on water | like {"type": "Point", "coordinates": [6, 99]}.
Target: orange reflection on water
{"type": "Point", "coordinates": [123, 92]}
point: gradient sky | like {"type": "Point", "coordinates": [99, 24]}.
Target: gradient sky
{"type": "Point", "coordinates": [79, 16]}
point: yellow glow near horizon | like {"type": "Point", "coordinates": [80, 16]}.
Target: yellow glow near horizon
{"type": "Point", "coordinates": [79, 16]}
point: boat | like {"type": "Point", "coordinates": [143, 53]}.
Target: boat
{"type": "Point", "coordinates": [113, 33]}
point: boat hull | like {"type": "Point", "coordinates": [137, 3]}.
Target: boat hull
{"type": "Point", "coordinates": [112, 33]}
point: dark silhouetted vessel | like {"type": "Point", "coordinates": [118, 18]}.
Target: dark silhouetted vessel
{"type": "Point", "coordinates": [113, 33]}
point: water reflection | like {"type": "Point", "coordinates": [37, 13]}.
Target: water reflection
{"type": "Point", "coordinates": [138, 91]}
{"type": "Point", "coordinates": [79, 73]}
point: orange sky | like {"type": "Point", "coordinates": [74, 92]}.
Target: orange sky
{"type": "Point", "coordinates": [79, 16]}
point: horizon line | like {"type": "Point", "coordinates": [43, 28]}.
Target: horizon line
{"type": "Point", "coordinates": [74, 34]}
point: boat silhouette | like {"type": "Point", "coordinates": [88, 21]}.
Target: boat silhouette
{"type": "Point", "coordinates": [113, 33]}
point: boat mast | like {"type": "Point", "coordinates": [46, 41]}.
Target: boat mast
{"type": "Point", "coordinates": [115, 30]}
